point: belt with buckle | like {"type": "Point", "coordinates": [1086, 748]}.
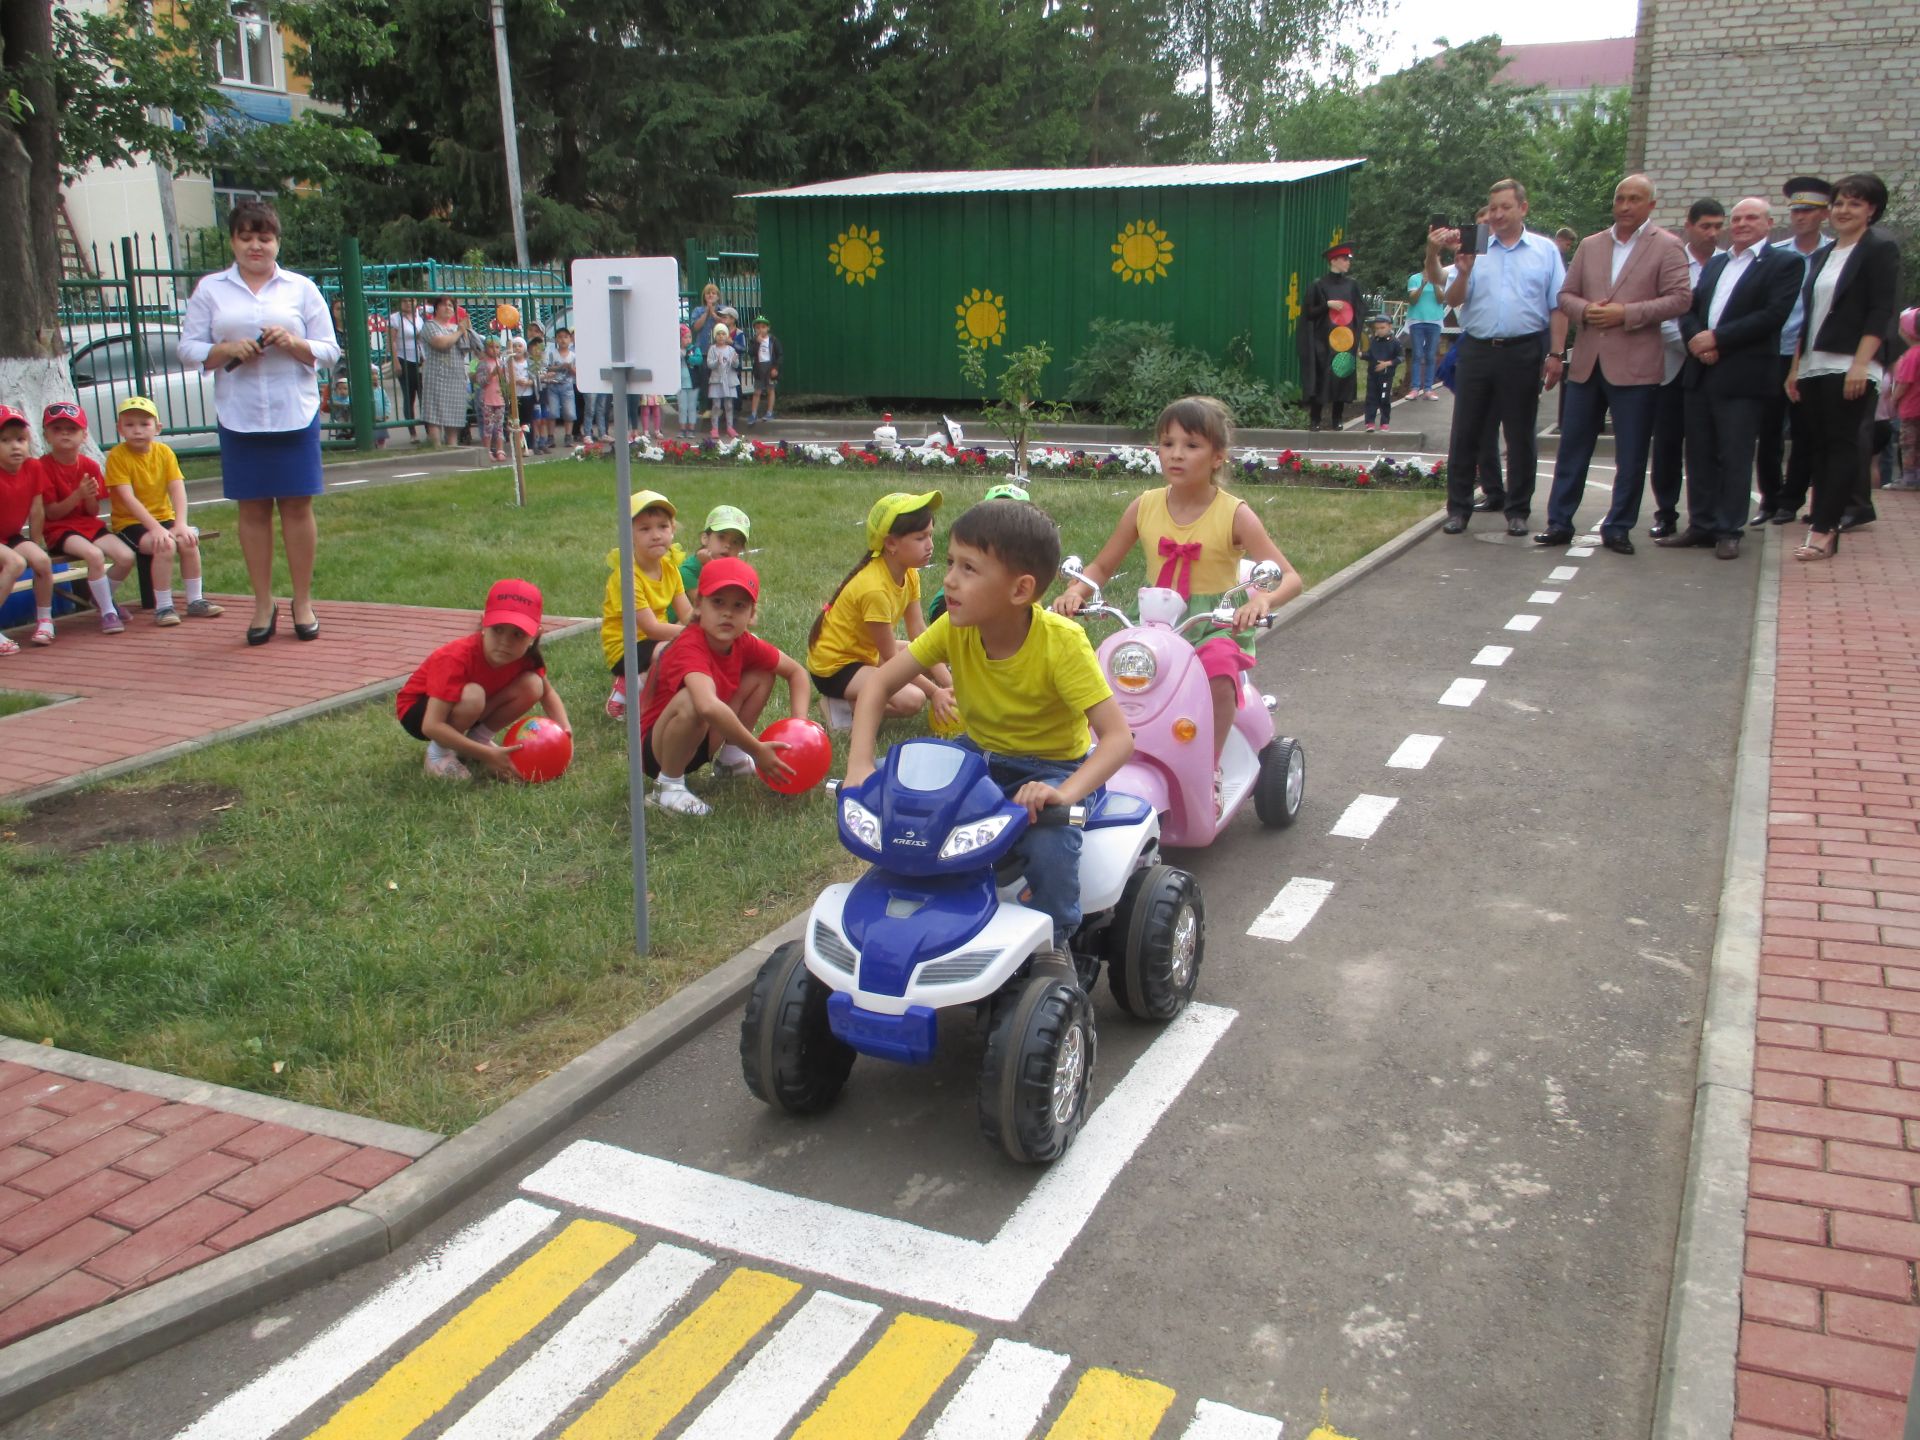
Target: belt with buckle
{"type": "Point", "coordinates": [1506, 339]}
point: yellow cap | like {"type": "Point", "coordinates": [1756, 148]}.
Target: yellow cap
{"type": "Point", "coordinates": [889, 508]}
{"type": "Point", "coordinates": [651, 500]}
{"type": "Point", "coordinates": [140, 403]}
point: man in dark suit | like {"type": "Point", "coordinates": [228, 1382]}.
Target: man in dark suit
{"type": "Point", "coordinates": [1732, 335]}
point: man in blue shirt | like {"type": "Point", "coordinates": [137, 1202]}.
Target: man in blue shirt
{"type": "Point", "coordinates": [1514, 335]}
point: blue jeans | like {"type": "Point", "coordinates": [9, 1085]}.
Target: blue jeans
{"type": "Point", "coordinates": [561, 403]}
{"type": "Point", "coordinates": [689, 408]}
{"type": "Point", "coordinates": [1632, 408]}
{"type": "Point", "coordinates": [599, 419]}
{"type": "Point", "coordinates": [1051, 853]}
{"type": "Point", "coordinates": [1426, 348]}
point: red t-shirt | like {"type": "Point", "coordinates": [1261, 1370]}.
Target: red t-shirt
{"type": "Point", "coordinates": [57, 482]}
{"type": "Point", "coordinates": [18, 491]}
{"type": "Point", "coordinates": [689, 653]}
{"type": "Point", "coordinates": [454, 666]}
{"type": "Point", "coordinates": [1907, 372]}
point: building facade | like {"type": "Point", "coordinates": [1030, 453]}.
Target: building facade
{"type": "Point", "coordinates": [1570, 70]}
{"type": "Point", "coordinates": [1731, 97]}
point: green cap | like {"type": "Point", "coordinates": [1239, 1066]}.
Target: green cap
{"type": "Point", "coordinates": [727, 517]}
{"type": "Point", "coordinates": [1008, 491]}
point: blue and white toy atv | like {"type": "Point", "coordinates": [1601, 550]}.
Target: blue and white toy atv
{"type": "Point", "coordinates": [937, 924]}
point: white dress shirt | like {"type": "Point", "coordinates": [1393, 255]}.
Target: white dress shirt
{"type": "Point", "coordinates": [273, 392]}
{"type": "Point", "coordinates": [1623, 249]}
{"type": "Point", "coordinates": [403, 333]}
{"type": "Point", "coordinates": [1738, 261]}
{"type": "Point", "coordinates": [1670, 329]}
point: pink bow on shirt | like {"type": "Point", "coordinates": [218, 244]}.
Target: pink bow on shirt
{"type": "Point", "coordinates": [1177, 573]}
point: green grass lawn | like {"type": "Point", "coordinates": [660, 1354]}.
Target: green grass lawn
{"type": "Point", "coordinates": [12, 702]}
{"type": "Point", "coordinates": [351, 934]}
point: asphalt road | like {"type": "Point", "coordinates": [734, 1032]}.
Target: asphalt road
{"type": "Point", "coordinates": [1430, 1163]}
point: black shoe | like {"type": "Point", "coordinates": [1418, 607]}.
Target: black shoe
{"type": "Point", "coordinates": [1687, 537]}
{"type": "Point", "coordinates": [307, 632]}
{"type": "Point", "coordinates": [1517, 525]}
{"type": "Point", "coordinates": [1660, 529]}
{"type": "Point", "coordinates": [1785, 517]}
{"type": "Point", "coordinates": [1620, 544]}
{"type": "Point", "coordinates": [1553, 536]}
{"type": "Point", "coordinates": [1761, 517]}
{"type": "Point", "coordinates": [1486, 504]}
{"type": "Point", "coordinates": [1455, 525]}
{"type": "Point", "coordinates": [259, 635]}
{"type": "Point", "coordinates": [1727, 547]}
{"type": "Point", "coordinates": [1857, 519]}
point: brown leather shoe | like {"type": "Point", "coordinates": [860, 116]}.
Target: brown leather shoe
{"type": "Point", "coordinates": [1727, 547]}
{"type": "Point", "coordinates": [1685, 539]}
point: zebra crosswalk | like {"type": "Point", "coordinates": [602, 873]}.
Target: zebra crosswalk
{"type": "Point", "coordinates": [533, 1325]}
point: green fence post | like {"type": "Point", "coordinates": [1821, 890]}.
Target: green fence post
{"type": "Point", "coordinates": [354, 347]}
{"type": "Point", "coordinates": [138, 340]}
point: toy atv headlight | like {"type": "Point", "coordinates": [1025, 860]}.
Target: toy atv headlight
{"type": "Point", "coordinates": [964, 839]}
{"type": "Point", "coordinates": [861, 823]}
{"type": "Point", "coordinates": [1133, 666]}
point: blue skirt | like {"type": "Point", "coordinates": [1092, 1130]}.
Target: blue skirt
{"type": "Point", "coordinates": [270, 465]}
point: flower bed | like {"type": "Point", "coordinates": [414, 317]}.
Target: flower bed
{"type": "Point", "coordinates": [1251, 467]}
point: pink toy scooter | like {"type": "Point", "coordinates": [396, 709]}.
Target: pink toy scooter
{"type": "Point", "coordinates": [1163, 692]}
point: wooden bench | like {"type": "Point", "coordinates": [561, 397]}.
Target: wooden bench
{"type": "Point", "coordinates": [73, 574]}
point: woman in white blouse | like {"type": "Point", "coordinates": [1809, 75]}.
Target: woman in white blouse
{"type": "Point", "coordinates": [403, 338]}
{"type": "Point", "coordinates": [264, 332]}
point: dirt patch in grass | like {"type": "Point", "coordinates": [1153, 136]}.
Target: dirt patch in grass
{"type": "Point", "coordinates": [90, 819]}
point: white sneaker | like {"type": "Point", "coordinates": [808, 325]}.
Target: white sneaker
{"type": "Point", "coordinates": [732, 760]}
{"type": "Point", "coordinates": [617, 701]}
{"type": "Point", "coordinates": [839, 713]}
{"type": "Point", "coordinates": [445, 765]}
{"type": "Point", "coordinates": [677, 798]}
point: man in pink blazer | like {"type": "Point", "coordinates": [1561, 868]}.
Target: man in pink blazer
{"type": "Point", "coordinates": [1622, 283]}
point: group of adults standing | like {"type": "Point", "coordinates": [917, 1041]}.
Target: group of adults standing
{"type": "Point", "coordinates": [1692, 351]}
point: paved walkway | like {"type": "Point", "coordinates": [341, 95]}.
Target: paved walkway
{"type": "Point", "coordinates": [1829, 1319]}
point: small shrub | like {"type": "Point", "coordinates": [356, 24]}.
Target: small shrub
{"type": "Point", "coordinates": [1132, 370]}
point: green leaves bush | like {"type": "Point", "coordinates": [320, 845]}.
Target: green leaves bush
{"type": "Point", "coordinates": [1132, 370]}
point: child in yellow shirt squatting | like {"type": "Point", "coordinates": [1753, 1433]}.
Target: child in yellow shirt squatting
{"type": "Point", "coordinates": [661, 609]}
{"type": "Point", "coordinates": [1030, 691]}
{"type": "Point", "coordinates": [150, 509]}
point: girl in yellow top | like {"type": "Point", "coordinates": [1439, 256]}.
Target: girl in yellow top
{"type": "Point", "coordinates": [854, 632]}
{"type": "Point", "coordinates": [1193, 534]}
{"type": "Point", "coordinates": [661, 609]}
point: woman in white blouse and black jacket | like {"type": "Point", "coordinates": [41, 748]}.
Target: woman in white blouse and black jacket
{"type": "Point", "coordinates": [1850, 299]}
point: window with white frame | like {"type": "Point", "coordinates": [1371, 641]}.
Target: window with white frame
{"type": "Point", "coordinates": [250, 55]}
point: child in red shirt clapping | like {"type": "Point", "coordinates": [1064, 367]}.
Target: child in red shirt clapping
{"type": "Point", "coordinates": [71, 487]}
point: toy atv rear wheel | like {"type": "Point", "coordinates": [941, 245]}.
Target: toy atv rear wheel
{"type": "Point", "coordinates": [788, 1052]}
{"type": "Point", "coordinates": [1281, 784]}
{"type": "Point", "coordinates": [1156, 943]}
{"type": "Point", "coordinates": [1038, 1067]}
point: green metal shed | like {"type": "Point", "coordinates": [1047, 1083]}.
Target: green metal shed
{"type": "Point", "coordinates": [873, 282]}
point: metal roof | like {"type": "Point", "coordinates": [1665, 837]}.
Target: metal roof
{"type": "Point", "coordinates": [1113, 177]}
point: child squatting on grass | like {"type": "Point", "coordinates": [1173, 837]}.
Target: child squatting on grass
{"type": "Point", "coordinates": [708, 687]}
{"type": "Point", "coordinates": [20, 525]}
{"type": "Point", "coordinates": [150, 509]}
{"type": "Point", "coordinates": [71, 488]}
{"type": "Point", "coordinates": [661, 609]}
{"type": "Point", "coordinates": [1031, 692]}
{"type": "Point", "coordinates": [1195, 533]}
{"type": "Point", "coordinates": [472, 687]}
{"type": "Point", "coordinates": [854, 631]}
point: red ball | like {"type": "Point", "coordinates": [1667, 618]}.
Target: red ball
{"type": "Point", "coordinates": [545, 749]}
{"type": "Point", "coordinates": [809, 751]}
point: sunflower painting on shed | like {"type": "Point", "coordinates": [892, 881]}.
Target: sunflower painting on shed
{"type": "Point", "coordinates": [879, 279]}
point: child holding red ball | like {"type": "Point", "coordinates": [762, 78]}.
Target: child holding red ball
{"type": "Point", "coordinates": [471, 687]}
{"type": "Point", "coordinates": [707, 689]}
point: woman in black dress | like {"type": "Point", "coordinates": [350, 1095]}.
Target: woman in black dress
{"type": "Point", "coordinates": [1329, 342]}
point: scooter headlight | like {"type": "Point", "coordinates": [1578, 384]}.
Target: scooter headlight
{"type": "Point", "coordinates": [964, 839]}
{"type": "Point", "coordinates": [1132, 666]}
{"type": "Point", "coordinates": [864, 824]}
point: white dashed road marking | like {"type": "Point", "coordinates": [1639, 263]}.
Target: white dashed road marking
{"type": "Point", "coordinates": [1364, 816]}
{"type": "Point", "coordinates": [1414, 752]}
{"type": "Point", "coordinates": [1493, 655]}
{"type": "Point", "coordinates": [1212, 1421]}
{"type": "Point", "coordinates": [1563, 572]}
{"type": "Point", "coordinates": [1544, 597]}
{"type": "Point", "coordinates": [786, 1372]}
{"type": "Point", "coordinates": [1463, 693]}
{"type": "Point", "coordinates": [1579, 552]}
{"type": "Point", "coordinates": [1005, 1395]}
{"type": "Point", "coordinates": [1288, 912]}
{"type": "Point", "coordinates": [1523, 622]}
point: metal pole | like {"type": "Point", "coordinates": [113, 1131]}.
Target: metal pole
{"type": "Point", "coordinates": [355, 352]}
{"type": "Point", "coordinates": [510, 130]}
{"type": "Point", "coordinates": [621, 374]}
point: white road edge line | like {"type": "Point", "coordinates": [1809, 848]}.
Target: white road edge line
{"type": "Point", "coordinates": [1544, 597]}
{"type": "Point", "coordinates": [1288, 912]}
{"type": "Point", "coordinates": [1493, 655]}
{"type": "Point", "coordinates": [1579, 552]}
{"type": "Point", "coordinates": [343, 484]}
{"type": "Point", "coordinates": [1463, 692]}
{"type": "Point", "coordinates": [996, 1279]}
{"type": "Point", "coordinates": [1364, 816]}
{"type": "Point", "coordinates": [1523, 622]}
{"type": "Point", "coordinates": [1004, 1397]}
{"type": "Point", "coordinates": [1214, 1421]}
{"type": "Point", "coordinates": [411, 474]}
{"type": "Point", "coordinates": [278, 1397]}
{"type": "Point", "coordinates": [1414, 752]}
{"type": "Point", "coordinates": [787, 1372]}
{"type": "Point", "coordinates": [1563, 572]}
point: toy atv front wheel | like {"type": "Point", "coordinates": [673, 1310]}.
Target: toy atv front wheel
{"type": "Point", "coordinates": [1038, 1067]}
{"type": "Point", "coordinates": [1156, 943]}
{"type": "Point", "coordinates": [789, 1054]}
{"type": "Point", "coordinates": [1281, 784]}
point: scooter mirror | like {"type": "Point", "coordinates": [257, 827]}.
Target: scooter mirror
{"type": "Point", "coordinates": [1266, 577]}
{"type": "Point", "coordinates": [1070, 567]}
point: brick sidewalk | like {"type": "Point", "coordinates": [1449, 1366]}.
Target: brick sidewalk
{"type": "Point", "coordinates": [150, 689]}
{"type": "Point", "coordinates": [1829, 1320]}
{"type": "Point", "coordinates": [104, 1190]}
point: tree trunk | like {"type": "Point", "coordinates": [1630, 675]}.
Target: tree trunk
{"type": "Point", "coordinates": [29, 186]}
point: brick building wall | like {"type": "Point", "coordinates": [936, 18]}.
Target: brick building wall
{"type": "Point", "coordinates": [1730, 97]}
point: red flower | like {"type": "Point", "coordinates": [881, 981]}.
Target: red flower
{"type": "Point", "coordinates": [1363, 479]}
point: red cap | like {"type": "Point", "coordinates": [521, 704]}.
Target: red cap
{"type": "Point", "coordinates": [8, 415]}
{"type": "Point", "coordinates": [513, 602]}
{"type": "Point", "coordinates": [63, 410]}
{"type": "Point", "coordinates": [717, 574]}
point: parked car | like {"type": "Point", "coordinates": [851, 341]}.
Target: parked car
{"type": "Point", "coordinates": [101, 363]}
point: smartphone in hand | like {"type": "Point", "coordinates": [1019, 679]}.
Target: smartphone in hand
{"type": "Point", "coordinates": [1472, 238]}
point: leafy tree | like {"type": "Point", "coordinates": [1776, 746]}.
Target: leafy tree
{"type": "Point", "coordinates": [1264, 54]}
{"type": "Point", "coordinates": [1585, 154]}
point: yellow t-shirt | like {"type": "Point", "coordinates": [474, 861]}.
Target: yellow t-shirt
{"type": "Point", "coordinates": [148, 475]}
{"type": "Point", "coordinates": [870, 597]}
{"type": "Point", "coordinates": [1215, 569]}
{"type": "Point", "coordinates": [1034, 702]}
{"type": "Point", "coordinates": [654, 595]}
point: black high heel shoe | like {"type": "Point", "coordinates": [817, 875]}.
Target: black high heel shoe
{"type": "Point", "coordinates": [309, 631]}
{"type": "Point", "coordinates": [261, 634]}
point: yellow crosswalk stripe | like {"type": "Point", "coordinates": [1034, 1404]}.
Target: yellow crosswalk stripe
{"type": "Point", "coordinates": [446, 1362]}
{"type": "Point", "coordinates": [646, 1399]}
{"type": "Point", "coordinates": [878, 1398]}
{"type": "Point", "coordinates": [1107, 1405]}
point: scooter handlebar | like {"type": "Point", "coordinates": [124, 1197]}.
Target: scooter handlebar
{"type": "Point", "coordinates": [1074, 815]}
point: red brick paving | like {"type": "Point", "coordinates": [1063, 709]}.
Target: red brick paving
{"type": "Point", "coordinates": [104, 1190]}
{"type": "Point", "coordinates": [149, 688]}
{"type": "Point", "coordinates": [1830, 1314]}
